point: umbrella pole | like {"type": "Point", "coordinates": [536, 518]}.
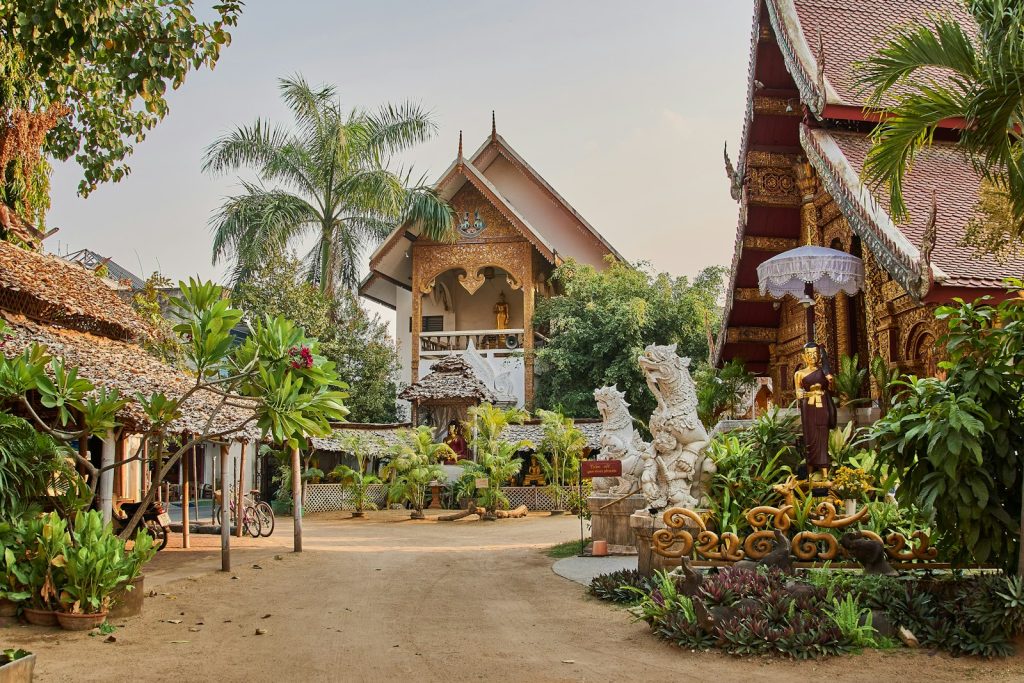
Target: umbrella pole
{"type": "Point", "coordinates": [809, 311]}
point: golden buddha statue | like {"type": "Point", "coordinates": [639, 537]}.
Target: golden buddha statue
{"type": "Point", "coordinates": [813, 385]}
{"type": "Point", "coordinates": [501, 313]}
{"type": "Point", "coordinates": [534, 475]}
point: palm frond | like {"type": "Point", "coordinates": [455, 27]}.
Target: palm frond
{"type": "Point", "coordinates": [435, 217]}
{"type": "Point", "coordinates": [395, 128]}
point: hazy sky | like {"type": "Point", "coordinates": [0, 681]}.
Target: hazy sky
{"type": "Point", "coordinates": [622, 106]}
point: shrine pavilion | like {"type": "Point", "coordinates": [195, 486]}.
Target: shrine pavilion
{"type": "Point", "coordinates": [474, 297]}
{"type": "Point", "coordinates": [798, 181]}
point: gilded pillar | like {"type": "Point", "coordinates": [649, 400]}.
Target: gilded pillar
{"type": "Point", "coordinates": [807, 187]}
{"type": "Point", "coordinates": [871, 297]}
{"type": "Point", "coordinates": [843, 326]}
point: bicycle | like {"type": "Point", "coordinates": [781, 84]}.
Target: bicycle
{"type": "Point", "coordinates": [250, 520]}
{"type": "Point", "coordinates": [258, 515]}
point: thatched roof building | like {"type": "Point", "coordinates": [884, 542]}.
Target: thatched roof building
{"type": "Point", "coordinates": [79, 318]}
{"type": "Point", "coordinates": [451, 381]}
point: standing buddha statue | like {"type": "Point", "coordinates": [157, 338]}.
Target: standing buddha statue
{"type": "Point", "coordinates": [813, 384]}
{"type": "Point", "coordinates": [501, 313]}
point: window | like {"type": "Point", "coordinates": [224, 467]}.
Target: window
{"type": "Point", "coordinates": [433, 323]}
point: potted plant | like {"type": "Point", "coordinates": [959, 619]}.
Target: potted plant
{"type": "Point", "coordinates": [13, 569]}
{"type": "Point", "coordinates": [414, 464]}
{"type": "Point", "coordinates": [126, 600]}
{"type": "Point", "coordinates": [850, 484]}
{"type": "Point", "coordinates": [46, 543]}
{"type": "Point", "coordinates": [561, 448]}
{"type": "Point", "coordinates": [94, 567]}
{"type": "Point", "coordinates": [849, 382]}
{"type": "Point", "coordinates": [357, 482]}
{"type": "Point", "coordinates": [16, 666]}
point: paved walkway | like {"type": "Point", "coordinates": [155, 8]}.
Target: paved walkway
{"type": "Point", "coordinates": [582, 570]}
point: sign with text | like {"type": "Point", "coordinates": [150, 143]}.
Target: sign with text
{"type": "Point", "coordinates": [600, 468]}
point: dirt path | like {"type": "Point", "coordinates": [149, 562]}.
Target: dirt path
{"type": "Point", "coordinates": [383, 600]}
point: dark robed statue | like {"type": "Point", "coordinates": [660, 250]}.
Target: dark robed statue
{"type": "Point", "coordinates": [817, 410]}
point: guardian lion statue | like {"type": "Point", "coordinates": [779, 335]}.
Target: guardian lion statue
{"type": "Point", "coordinates": [619, 441]}
{"type": "Point", "coordinates": [676, 471]}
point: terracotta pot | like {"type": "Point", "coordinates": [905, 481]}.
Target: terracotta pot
{"type": "Point", "coordinates": [40, 617]}
{"type": "Point", "coordinates": [599, 549]}
{"type": "Point", "coordinates": [80, 622]}
{"type": "Point", "coordinates": [18, 671]}
{"type": "Point", "coordinates": [128, 603]}
{"type": "Point", "coordinates": [8, 608]}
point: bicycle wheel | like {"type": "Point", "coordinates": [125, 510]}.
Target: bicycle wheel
{"type": "Point", "coordinates": [251, 521]}
{"type": "Point", "coordinates": [266, 515]}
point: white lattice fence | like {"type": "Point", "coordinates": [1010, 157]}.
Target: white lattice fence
{"type": "Point", "coordinates": [536, 497]}
{"type": "Point", "coordinates": [330, 497]}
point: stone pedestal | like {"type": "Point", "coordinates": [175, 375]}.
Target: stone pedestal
{"type": "Point", "coordinates": [644, 524]}
{"type": "Point", "coordinates": [609, 521]}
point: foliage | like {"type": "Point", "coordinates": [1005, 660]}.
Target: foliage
{"type": "Point", "coordinates": [150, 302]}
{"type": "Point", "coordinates": [14, 570]}
{"type": "Point", "coordinates": [849, 380]}
{"type": "Point", "coordinates": [721, 390]}
{"type": "Point", "coordinates": [358, 483]}
{"type": "Point", "coordinates": [851, 482]}
{"type": "Point", "coordinates": [853, 620]}
{"type": "Point", "coordinates": [94, 567]}
{"type": "Point", "coordinates": [957, 444]}
{"type": "Point", "coordinates": [109, 64]}
{"type": "Point", "coordinates": [560, 451]}
{"type": "Point", "coordinates": [886, 379]}
{"type": "Point", "coordinates": [33, 465]}
{"type": "Point", "coordinates": [744, 479]}
{"type": "Point", "coordinates": [774, 434]}
{"type": "Point", "coordinates": [577, 499]}
{"type": "Point", "coordinates": [604, 319]}
{"type": "Point", "coordinates": [495, 458]}
{"type": "Point", "coordinates": [46, 541]}
{"type": "Point", "coordinates": [413, 465]}
{"type": "Point", "coordinates": [843, 441]}
{"type": "Point", "coordinates": [328, 177]}
{"type": "Point", "coordinates": [357, 342]}
{"type": "Point", "coordinates": [567, 549]}
{"type": "Point", "coordinates": [616, 586]}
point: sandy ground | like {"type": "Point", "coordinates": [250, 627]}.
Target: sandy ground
{"type": "Point", "coordinates": [387, 600]}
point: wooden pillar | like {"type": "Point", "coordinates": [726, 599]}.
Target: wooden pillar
{"type": "Point", "coordinates": [417, 320]}
{"type": "Point", "coordinates": [297, 498]}
{"type": "Point", "coordinates": [107, 478]}
{"type": "Point", "coordinates": [240, 491]}
{"type": "Point", "coordinates": [843, 327]}
{"type": "Point", "coordinates": [225, 526]}
{"type": "Point", "coordinates": [528, 347]}
{"type": "Point", "coordinates": [184, 500]}
{"type": "Point", "coordinates": [807, 187]}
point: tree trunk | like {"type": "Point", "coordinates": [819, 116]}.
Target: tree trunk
{"type": "Point", "coordinates": [225, 519]}
{"type": "Point", "coordinates": [241, 483]}
{"type": "Point", "coordinates": [297, 499]}
{"type": "Point", "coordinates": [470, 510]}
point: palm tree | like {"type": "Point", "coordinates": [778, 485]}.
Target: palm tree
{"type": "Point", "coordinates": [326, 178]}
{"type": "Point", "coordinates": [982, 83]}
{"type": "Point", "coordinates": [414, 464]}
{"type": "Point", "coordinates": [561, 449]}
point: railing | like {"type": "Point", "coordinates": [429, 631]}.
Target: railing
{"type": "Point", "coordinates": [499, 342]}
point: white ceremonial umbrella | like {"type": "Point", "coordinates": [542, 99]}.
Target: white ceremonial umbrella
{"type": "Point", "coordinates": [809, 270]}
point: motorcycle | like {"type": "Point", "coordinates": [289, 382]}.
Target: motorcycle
{"type": "Point", "coordinates": [155, 521]}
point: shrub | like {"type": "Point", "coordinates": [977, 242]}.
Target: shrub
{"type": "Point", "coordinates": [618, 586]}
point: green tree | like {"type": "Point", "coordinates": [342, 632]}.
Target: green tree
{"type": "Point", "coordinates": [327, 178]}
{"type": "Point", "coordinates": [957, 444]}
{"type": "Point", "coordinates": [358, 343]}
{"type": "Point", "coordinates": [92, 75]}
{"type": "Point", "coordinates": [561, 449]}
{"type": "Point", "coordinates": [493, 457]}
{"type": "Point", "coordinates": [413, 465]}
{"type": "Point", "coordinates": [599, 327]}
{"type": "Point", "coordinates": [720, 390]}
{"type": "Point", "coordinates": [150, 303]}
{"type": "Point", "coordinates": [981, 81]}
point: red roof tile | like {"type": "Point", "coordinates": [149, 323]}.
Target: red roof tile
{"type": "Point", "coordinates": [943, 170]}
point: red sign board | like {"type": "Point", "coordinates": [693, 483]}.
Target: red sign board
{"type": "Point", "coordinates": [600, 468]}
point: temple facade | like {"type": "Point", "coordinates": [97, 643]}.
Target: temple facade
{"type": "Point", "coordinates": [797, 180]}
{"type": "Point", "coordinates": [474, 296]}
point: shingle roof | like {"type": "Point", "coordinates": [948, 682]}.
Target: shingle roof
{"type": "Point", "coordinates": [850, 31]}
{"type": "Point", "coordinates": [940, 169]}
{"type": "Point", "coordinates": [129, 369]}
{"type": "Point", "coordinates": [91, 260]}
{"type": "Point", "coordinates": [450, 380]}
{"type": "Point", "coordinates": [50, 289]}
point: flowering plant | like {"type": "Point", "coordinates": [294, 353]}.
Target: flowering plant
{"type": "Point", "coordinates": [851, 482]}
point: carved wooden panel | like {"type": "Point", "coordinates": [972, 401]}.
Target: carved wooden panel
{"type": "Point", "coordinates": [777, 244]}
{"type": "Point", "coordinates": [772, 186]}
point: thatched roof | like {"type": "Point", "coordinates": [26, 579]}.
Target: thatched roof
{"type": "Point", "coordinates": [374, 439]}
{"type": "Point", "coordinates": [377, 438]}
{"type": "Point", "coordinates": [51, 290]}
{"type": "Point", "coordinates": [450, 380]}
{"type": "Point", "coordinates": [129, 369]}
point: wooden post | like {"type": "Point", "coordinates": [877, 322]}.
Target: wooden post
{"type": "Point", "coordinates": [241, 484]}
{"type": "Point", "coordinates": [184, 501]}
{"type": "Point", "coordinates": [225, 524]}
{"type": "Point", "coordinates": [106, 488]}
{"type": "Point", "coordinates": [195, 480]}
{"type": "Point", "coordinates": [297, 498]}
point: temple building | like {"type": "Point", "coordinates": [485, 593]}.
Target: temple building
{"type": "Point", "coordinates": [474, 297]}
{"type": "Point", "coordinates": [798, 181]}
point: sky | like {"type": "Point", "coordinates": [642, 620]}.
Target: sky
{"type": "Point", "coordinates": [622, 107]}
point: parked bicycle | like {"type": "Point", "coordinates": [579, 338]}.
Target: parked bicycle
{"type": "Point", "coordinates": [257, 517]}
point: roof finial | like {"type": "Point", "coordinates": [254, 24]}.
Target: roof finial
{"type": "Point", "coordinates": [494, 127]}
{"type": "Point", "coordinates": [460, 145]}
